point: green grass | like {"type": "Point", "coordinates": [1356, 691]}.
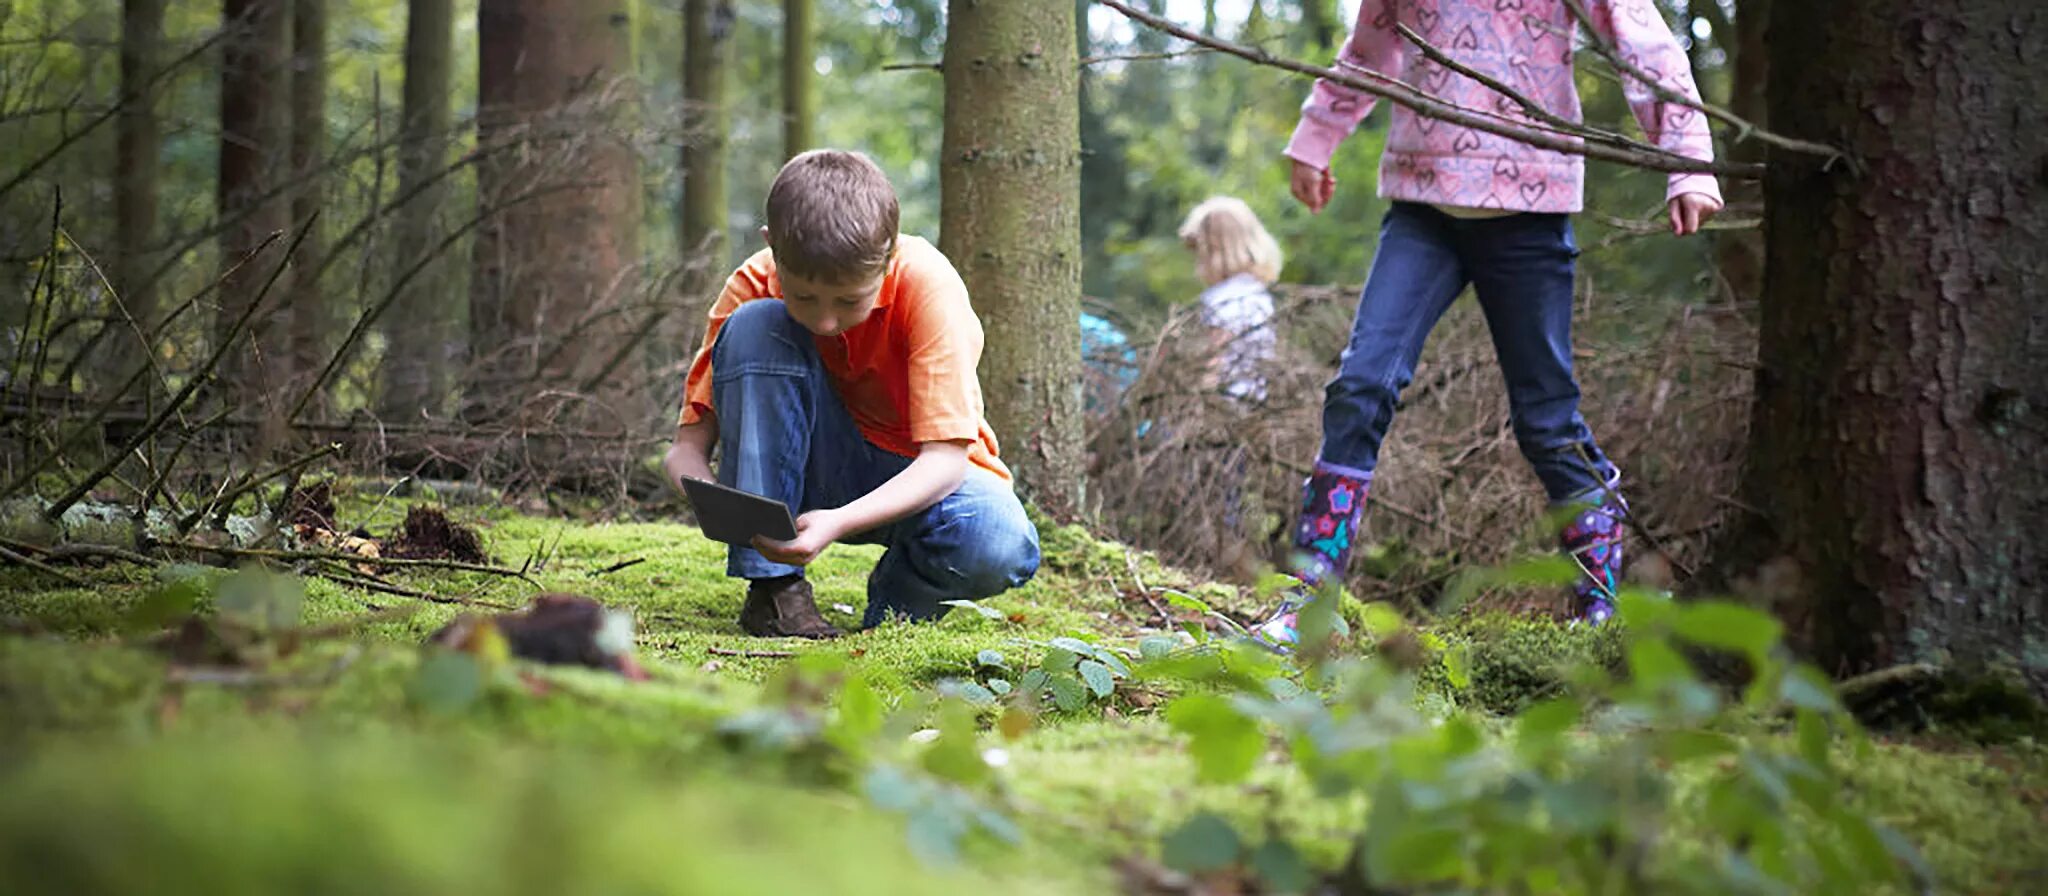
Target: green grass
{"type": "Point", "coordinates": [325, 778]}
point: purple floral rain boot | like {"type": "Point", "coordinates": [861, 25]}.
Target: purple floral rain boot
{"type": "Point", "coordinates": [1332, 502]}
{"type": "Point", "coordinates": [1592, 539]}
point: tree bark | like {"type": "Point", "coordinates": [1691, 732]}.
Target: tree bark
{"type": "Point", "coordinates": [419, 328]}
{"type": "Point", "coordinates": [1009, 179]}
{"type": "Point", "coordinates": [553, 265]}
{"type": "Point", "coordinates": [137, 143]}
{"type": "Point", "coordinates": [311, 318]}
{"type": "Point", "coordinates": [1898, 432]}
{"type": "Point", "coordinates": [707, 45]}
{"type": "Point", "coordinates": [798, 96]}
{"type": "Point", "coordinates": [1739, 254]}
{"type": "Point", "coordinates": [255, 124]}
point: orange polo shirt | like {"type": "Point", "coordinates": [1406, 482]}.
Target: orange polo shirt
{"type": "Point", "coordinates": [906, 374]}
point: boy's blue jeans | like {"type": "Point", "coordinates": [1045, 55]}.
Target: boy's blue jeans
{"type": "Point", "coordinates": [1521, 266]}
{"type": "Point", "coordinates": [787, 435]}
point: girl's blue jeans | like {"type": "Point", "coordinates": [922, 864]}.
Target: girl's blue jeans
{"type": "Point", "coordinates": [785, 433]}
{"type": "Point", "coordinates": [1521, 266]}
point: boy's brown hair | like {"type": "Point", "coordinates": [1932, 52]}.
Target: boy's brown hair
{"type": "Point", "coordinates": [832, 216]}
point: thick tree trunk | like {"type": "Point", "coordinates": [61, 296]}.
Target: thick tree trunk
{"type": "Point", "coordinates": [1009, 179]}
{"type": "Point", "coordinates": [798, 56]}
{"type": "Point", "coordinates": [1739, 254]}
{"type": "Point", "coordinates": [1899, 427]}
{"type": "Point", "coordinates": [135, 162]}
{"type": "Point", "coordinates": [255, 145]}
{"type": "Point", "coordinates": [554, 261]}
{"type": "Point", "coordinates": [707, 45]}
{"type": "Point", "coordinates": [419, 327]}
{"type": "Point", "coordinates": [311, 317]}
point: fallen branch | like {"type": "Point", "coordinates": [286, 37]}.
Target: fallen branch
{"type": "Point", "coordinates": [39, 566]}
{"type": "Point", "coordinates": [248, 483]}
{"type": "Point", "coordinates": [618, 566]}
{"type": "Point", "coordinates": [369, 584]}
{"type": "Point", "coordinates": [336, 557]}
{"type": "Point", "coordinates": [756, 654]}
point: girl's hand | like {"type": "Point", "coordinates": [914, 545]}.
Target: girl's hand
{"type": "Point", "coordinates": [1691, 210]}
{"type": "Point", "coordinates": [1312, 186]}
{"type": "Point", "coordinates": [815, 531]}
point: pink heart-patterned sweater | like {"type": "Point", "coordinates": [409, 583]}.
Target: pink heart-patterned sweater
{"type": "Point", "coordinates": [1527, 45]}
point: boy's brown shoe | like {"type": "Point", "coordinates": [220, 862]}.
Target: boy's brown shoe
{"type": "Point", "coordinates": [783, 607]}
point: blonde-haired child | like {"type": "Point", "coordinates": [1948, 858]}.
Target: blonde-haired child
{"type": "Point", "coordinates": [1237, 259]}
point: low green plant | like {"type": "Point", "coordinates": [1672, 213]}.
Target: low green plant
{"type": "Point", "coordinates": [1653, 781]}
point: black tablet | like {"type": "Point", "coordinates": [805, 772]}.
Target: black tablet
{"type": "Point", "coordinates": [732, 516]}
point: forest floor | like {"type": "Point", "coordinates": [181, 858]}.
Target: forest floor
{"type": "Point", "coordinates": [339, 756]}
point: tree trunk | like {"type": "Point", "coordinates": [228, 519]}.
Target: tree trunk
{"type": "Point", "coordinates": [311, 318]}
{"type": "Point", "coordinates": [1319, 19]}
{"type": "Point", "coordinates": [1009, 179]}
{"type": "Point", "coordinates": [707, 44]}
{"type": "Point", "coordinates": [1898, 433]}
{"type": "Point", "coordinates": [255, 146]}
{"type": "Point", "coordinates": [798, 56]}
{"type": "Point", "coordinates": [1739, 254]}
{"type": "Point", "coordinates": [135, 163]}
{"type": "Point", "coordinates": [554, 260]}
{"type": "Point", "coordinates": [419, 327]}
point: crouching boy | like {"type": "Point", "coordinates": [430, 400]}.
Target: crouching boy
{"type": "Point", "coordinates": [838, 372]}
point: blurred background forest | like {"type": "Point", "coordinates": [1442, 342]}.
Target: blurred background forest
{"type": "Point", "coordinates": [404, 339]}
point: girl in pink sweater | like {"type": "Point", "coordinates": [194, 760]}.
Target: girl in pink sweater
{"type": "Point", "coordinates": [1493, 212]}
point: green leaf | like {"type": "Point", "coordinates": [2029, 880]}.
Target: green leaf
{"type": "Point", "coordinates": [1540, 727]}
{"type": "Point", "coordinates": [1281, 867]}
{"type": "Point", "coordinates": [990, 659]}
{"type": "Point", "coordinates": [1458, 666]}
{"type": "Point", "coordinates": [166, 604]}
{"type": "Point", "coordinates": [1068, 693]}
{"type": "Point", "coordinates": [447, 682]}
{"type": "Point", "coordinates": [890, 789]}
{"type": "Point", "coordinates": [1115, 663]}
{"type": "Point", "coordinates": [1805, 688]}
{"type": "Point", "coordinates": [1224, 741]}
{"type": "Point", "coordinates": [1543, 569]}
{"type": "Point", "coordinates": [986, 612]}
{"type": "Point", "coordinates": [1157, 646]}
{"type": "Point", "coordinates": [1727, 626]}
{"type": "Point", "coordinates": [264, 601]}
{"type": "Point", "coordinates": [1420, 854]}
{"type": "Point", "coordinates": [1034, 682]}
{"type": "Point", "coordinates": [1059, 659]}
{"type": "Point", "coordinates": [1813, 739]}
{"type": "Point", "coordinates": [1201, 844]}
{"type": "Point", "coordinates": [956, 755]}
{"type": "Point", "coordinates": [1654, 665]}
{"type": "Point", "coordinates": [1074, 645]}
{"type": "Point", "coordinates": [860, 709]}
{"type": "Point", "coordinates": [1098, 677]}
{"type": "Point", "coordinates": [1000, 686]}
{"type": "Point", "coordinates": [1690, 744]}
{"type": "Point", "coordinates": [971, 691]}
{"type": "Point", "coordinates": [935, 836]}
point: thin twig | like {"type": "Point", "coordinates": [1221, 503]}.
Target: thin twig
{"type": "Point", "coordinates": [249, 482]}
{"type": "Point", "coordinates": [202, 375]}
{"type": "Point", "coordinates": [1744, 128]}
{"type": "Point", "coordinates": [1146, 57]}
{"type": "Point", "coordinates": [38, 565]}
{"type": "Point", "coordinates": [102, 118]}
{"type": "Point", "coordinates": [618, 566]}
{"type": "Point", "coordinates": [402, 591]}
{"type": "Point", "coordinates": [1528, 105]}
{"type": "Point", "coordinates": [338, 557]}
{"type": "Point", "coordinates": [757, 654]}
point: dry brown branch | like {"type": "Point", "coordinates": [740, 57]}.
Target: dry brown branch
{"type": "Point", "coordinates": [337, 557]}
{"type": "Point", "coordinates": [1634, 153]}
{"type": "Point", "coordinates": [203, 375]}
{"type": "Point", "coordinates": [1744, 129]}
{"type": "Point", "coordinates": [756, 654]}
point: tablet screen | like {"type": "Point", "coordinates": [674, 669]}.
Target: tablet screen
{"type": "Point", "coordinates": [734, 517]}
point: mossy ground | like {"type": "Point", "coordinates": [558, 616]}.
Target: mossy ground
{"type": "Point", "coordinates": [327, 779]}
